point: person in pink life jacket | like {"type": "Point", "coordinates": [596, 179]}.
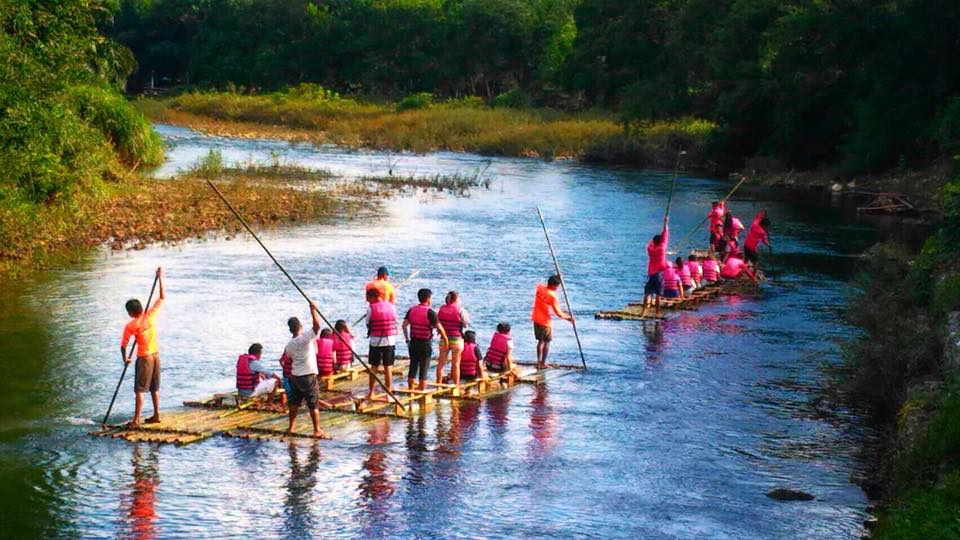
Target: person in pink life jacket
{"type": "Point", "coordinates": [251, 373]}
{"type": "Point", "coordinates": [711, 270]}
{"type": "Point", "coordinates": [499, 358]}
{"type": "Point", "coordinates": [732, 226]}
{"type": "Point", "coordinates": [418, 326]}
{"type": "Point", "coordinates": [717, 211]}
{"type": "Point", "coordinates": [729, 246]}
{"type": "Point", "coordinates": [734, 266]}
{"type": "Point", "coordinates": [382, 332]}
{"type": "Point", "coordinates": [686, 278]}
{"type": "Point", "coordinates": [657, 254]}
{"type": "Point", "coordinates": [342, 346]}
{"type": "Point", "coordinates": [471, 366]}
{"type": "Point", "coordinates": [755, 236]}
{"type": "Point", "coordinates": [326, 353]}
{"type": "Point", "coordinates": [696, 270]}
{"type": "Point", "coordinates": [454, 320]}
{"type": "Point", "coordinates": [671, 283]}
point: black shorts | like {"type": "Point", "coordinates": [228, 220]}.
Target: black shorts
{"type": "Point", "coordinates": [303, 387]}
{"type": "Point", "coordinates": [421, 350]}
{"type": "Point", "coordinates": [751, 256]}
{"type": "Point", "coordinates": [147, 373]}
{"type": "Point", "coordinates": [467, 378]}
{"type": "Point", "coordinates": [542, 333]}
{"type": "Point", "coordinates": [495, 369]}
{"type": "Point", "coordinates": [654, 284]}
{"type": "Point", "coordinates": [382, 356]}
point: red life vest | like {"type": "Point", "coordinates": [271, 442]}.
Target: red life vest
{"type": "Point", "coordinates": [696, 270]}
{"type": "Point", "coordinates": [420, 327]}
{"type": "Point", "coordinates": [732, 267]}
{"type": "Point", "coordinates": [286, 364]}
{"type": "Point", "coordinates": [469, 360]}
{"type": "Point", "coordinates": [383, 319]}
{"type": "Point", "coordinates": [247, 379]}
{"type": "Point", "coordinates": [342, 347]}
{"type": "Point", "coordinates": [685, 276]}
{"type": "Point", "coordinates": [449, 315]}
{"type": "Point", "coordinates": [671, 280]}
{"type": "Point", "coordinates": [325, 356]}
{"type": "Point", "coordinates": [497, 354]}
{"type": "Point", "coordinates": [711, 270]}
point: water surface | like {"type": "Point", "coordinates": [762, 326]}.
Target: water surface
{"type": "Point", "coordinates": [677, 430]}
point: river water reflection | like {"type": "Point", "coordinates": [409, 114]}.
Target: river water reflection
{"type": "Point", "coordinates": [677, 430]}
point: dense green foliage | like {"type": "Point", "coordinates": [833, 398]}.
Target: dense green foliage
{"type": "Point", "coordinates": [860, 83]}
{"type": "Point", "coordinates": [63, 123]}
{"type": "Point", "coordinates": [902, 308]}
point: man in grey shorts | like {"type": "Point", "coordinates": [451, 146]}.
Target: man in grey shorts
{"type": "Point", "coordinates": [302, 351]}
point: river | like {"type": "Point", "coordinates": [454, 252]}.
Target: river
{"type": "Point", "coordinates": [677, 430]}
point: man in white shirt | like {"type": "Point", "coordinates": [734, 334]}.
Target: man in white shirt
{"type": "Point", "coordinates": [302, 351]}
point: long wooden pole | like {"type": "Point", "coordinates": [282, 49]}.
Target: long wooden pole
{"type": "Point", "coordinates": [304, 295]}
{"type": "Point", "coordinates": [397, 288]}
{"type": "Point", "coordinates": [683, 242]}
{"type": "Point", "coordinates": [126, 357]}
{"type": "Point", "coordinates": [563, 287]}
{"type": "Point", "coordinates": [673, 182]}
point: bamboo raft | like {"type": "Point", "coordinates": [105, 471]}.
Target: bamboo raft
{"type": "Point", "coordinates": [693, 301]}
{"type": "Point", "coordinates": [343, 406]}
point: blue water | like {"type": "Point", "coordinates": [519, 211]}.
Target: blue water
{"type": "Point", "coordinates": [677, 430]}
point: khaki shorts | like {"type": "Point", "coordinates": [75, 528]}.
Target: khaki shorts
{"type": "Point", "coordinates": [147, 373]}
{"type": "Point", "coordinates": [542, 333]}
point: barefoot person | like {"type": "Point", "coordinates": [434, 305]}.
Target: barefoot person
{"type": "Point", "coordinates": [657, 253]}
{"type": "Point", "coordinates": [499, 358]}
{"type": "Point", "coordinates": [301, 350]}
{"type": "Point", "coordinates": [382, 331]}
{"type": "Point", "coordinates": [142, 327]}
{"type": "Point", "coordinates": [252, 375]}
{"type": "Point", "coordinates": [755, 236]}
{"type": "Point", "coordinates": [383, 285]}
{"type": "Point", "coordinates": [544, 301]}
{"type": "Point", "coordinates": [418, 325]}
{"type": "Point", "coordinates": [454, 320]}
{"type": "Point", "coordinates": [471, 366]}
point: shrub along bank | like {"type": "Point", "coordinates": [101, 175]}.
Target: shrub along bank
{"type": "Point", "coordinates": [905, 370]}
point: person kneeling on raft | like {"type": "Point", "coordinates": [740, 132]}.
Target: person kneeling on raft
{"type": "Point", "coordinates": [253, 378]}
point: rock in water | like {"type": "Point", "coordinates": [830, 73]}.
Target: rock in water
{"type": "Point", "coordinates": [783, 494]}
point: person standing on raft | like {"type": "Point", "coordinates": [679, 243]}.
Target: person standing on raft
{"type": "Point", "coordinates": [657, 253]}
{"type": "Point", "coordinates": [756, 235]}
{"type": "Point", "coordinates": [142, 327]}
{"type": "Point", "coordinates": [454, 320]}
{"type": "Point", "coordinates": [418, 325]}
{"type": "Point", "coordinates": [544, 301]}
{"type": "Point", "coordinates": [382, 331]}
{"type": "Point", "coordinates": [301, 350]}
{"type": "Point", "coordinates": [383, 286]}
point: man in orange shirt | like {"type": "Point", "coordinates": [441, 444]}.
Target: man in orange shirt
{"type": "Point", "coordinates": [544, 301]}
{"type": "Point", "coordinates": [382, 284]}
{"type": "Point", "coordinates": [141, 327]}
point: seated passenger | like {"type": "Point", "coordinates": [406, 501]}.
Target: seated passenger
{"type": "Point", "coordinates": [253, 378]}
{"type": "Point", "coordinates": [671, 282]}
{"type": "Point", "coordinates": [686, 278]}
{"type": "Point", "coordinates": [326, 355]}
{"type": "Point", "coordinates": [734, 266]}
{"type": "Point", "coordinates": [499, 357]}
{"type": "Point", "coordinates": [343, 346]}
{"type": "Point", "coordinates": [471, 368]}
{"type": "Point", "coordinates": [711, 270]}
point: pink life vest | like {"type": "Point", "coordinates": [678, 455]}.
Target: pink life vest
{"type": "Point", "coordinates": [325, 356]}
{"type": "Point", "coordinates": [685, 276]}
{"type": "Point", "coordinates": [696, 271]}
{"type": "Point", "coordinates": [658, 254]}
{"type": "Point", "coordinates": [469, 360]}
{"type": "Point", "coordinates": [732, 267]}
{"type": "Point", "coordinates": [383, 319]}
{"type": "Point", "coordinates": [497, 354]}
{"type": "Point", "coordinates": [711, 270]}
{"type": "Point", "coordinates": [671, 280]}
{"type": "Point", "coordinates": [420, 327]}
{"type": "Point", "coordinates": [755, 235]}
{"type": "Point", "coordinates": [246, 377]}
{"type": "Point", "coordinates": [716, 216]}
{"type": "Point", "coordinates": [449, 315]}
{"type": "Point", "coordinates": [286, 363]}
{"type": "Point", "coordinates": [342, 348]}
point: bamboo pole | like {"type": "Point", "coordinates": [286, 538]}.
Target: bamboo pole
{"type": "Point", "coordinates": [303, 294]}
{"type": "Point", "coordinates": [563, 287]}
{"type": "Point", "coordinates": [126, 356]}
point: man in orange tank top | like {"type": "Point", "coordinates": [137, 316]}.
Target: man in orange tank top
{"type": "Point", "coordinates": [544, 301]}
{"type": "Point", "coordinates": [147, 369]}
{"type": "Point", "coordinates": [382, 284]}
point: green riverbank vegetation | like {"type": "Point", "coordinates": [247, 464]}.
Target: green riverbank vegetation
{"type": "Point", "coordinates": [851, 87]}
{"type": "Point", "coordinates": [905, 371]}
{"type": "Point", "coordinates": [425, 124]}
